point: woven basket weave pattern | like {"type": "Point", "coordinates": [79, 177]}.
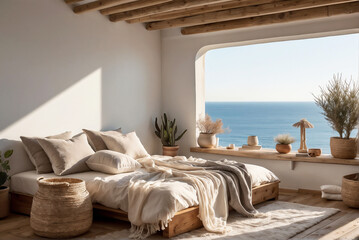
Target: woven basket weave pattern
{"type": "Point", "coordinates": [61, 208]}
{"type": "Point", "coordinates": [350, 190]}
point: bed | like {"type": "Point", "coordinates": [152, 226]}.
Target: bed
{"type": "Point", "coordinates": [24, 185]}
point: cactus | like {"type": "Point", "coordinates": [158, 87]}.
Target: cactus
{"type": "Point", "coordinates": [167, 132]}
{"type": "Point", "coordinates": [5, 166]}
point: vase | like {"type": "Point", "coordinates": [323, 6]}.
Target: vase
{"type": "Point", "coordinates": [170, 150]}
{"type": "Point", "coordinates": [252, 141]}
{"type": "Point", "coordinates": [207, 140]}
{"type": "Point", "coordinates": [343, 147]}
{"type": "Point", "coordinates": [61, 208]}
{"type": "Point", "coordinates": [4, 202]}
{"type": "Point", "coordinates": [283, 148]}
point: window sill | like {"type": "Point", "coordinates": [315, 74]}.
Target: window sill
{"type": "Point", "coordinates": [271, 154]}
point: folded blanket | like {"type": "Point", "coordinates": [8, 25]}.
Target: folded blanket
{"type": "Point", "coordinates": [332, 196]}
{"type": "Point", "coordinates": [331, 189]}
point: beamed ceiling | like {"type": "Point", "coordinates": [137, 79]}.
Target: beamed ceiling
{"type": "Point", "coordinates": [200, 16]}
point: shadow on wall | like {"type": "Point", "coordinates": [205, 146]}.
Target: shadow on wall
{"type": "Point", "coordinates": [72, 72]}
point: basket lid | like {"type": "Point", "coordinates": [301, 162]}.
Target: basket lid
{"type": "Point", "coordinates": [58, 181]}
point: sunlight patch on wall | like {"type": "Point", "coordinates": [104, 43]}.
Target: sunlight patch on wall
{"type": "Point", "coordinates": [77, 107]}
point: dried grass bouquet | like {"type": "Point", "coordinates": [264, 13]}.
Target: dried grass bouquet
{"type": "Point", "coordinates": [284, 139]}
{"type": "Point", "coordinates": [207, 126]}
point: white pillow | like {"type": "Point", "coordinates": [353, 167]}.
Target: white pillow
{"type": "Point", "coordinates": [67, 156]}
{"type": "Point", "coordinates": [112, 162]}
{"type": "Point", "coordinates": [260, 175]}
{"type": "Point", "coordinates": [128, 144]}
{"type": "Point", "coordinates": [332, 196]}
{"type": "Point", "coordinates": [331, 189]}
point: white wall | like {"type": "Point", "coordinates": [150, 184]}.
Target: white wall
{"type": "Point", "coordinates": [180, 99]}
{"type": "Point", "coordinates": [60, 71]}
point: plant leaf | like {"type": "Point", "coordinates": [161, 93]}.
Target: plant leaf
{"type": "Point", "coordinates": [180, 136]}
{"type": "Point", "coordinates": [156, 126]}
{"type": "Point", "coordinates": [8, 153]}
{"type": "Point", "coordinates": [3, 178]}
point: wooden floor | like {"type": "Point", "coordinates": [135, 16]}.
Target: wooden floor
{"type": "Point", "coordinates": [343, 225]}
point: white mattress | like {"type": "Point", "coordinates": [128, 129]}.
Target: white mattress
{"type": "Point", "coordinates": [26, 182]}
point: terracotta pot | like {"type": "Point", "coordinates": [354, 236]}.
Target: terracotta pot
{"type": "Point", "coordinates": [61, 208]}
{"type": "Point", "coordinates": [283, 148]}
{"type": "Point", "coordinates": [252, 141]}
{"type": "Point", "coordinates": [4, 202]}
{"type": "Point", "coordinates": [170, 150]}
{"type": "Point", "coordinates": [207, 140]}
{"type": "Point", "coordinates": [350, 190]}
{"type": "Point", "coordinates": [343, 148]}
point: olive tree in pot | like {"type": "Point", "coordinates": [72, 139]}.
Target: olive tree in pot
{"type": "Point", "coordinates": [339, 101]}
{"type": "Point", "coordinates": [208, 130]}
{"type": "Point", "coordinates": [4, 190]}
{"type": "Point", "coordinates": [167, 133]}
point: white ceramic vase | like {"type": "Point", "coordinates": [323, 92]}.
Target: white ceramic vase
{"type": "Point", "coordinates": [207, 140]}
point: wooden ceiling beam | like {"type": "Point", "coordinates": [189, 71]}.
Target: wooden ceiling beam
{"type": "Point", "coordinates": [132, 6]}
{"type": "Point", "coordinates": [186, 12]}
{"type": "Point", "coordinates": [72, 1]}
{"type": "Point", "coordinates": [166, 7]}
{"type": "Point", "coordinates": [97, 5]}
{"type": "Point", "coordinates": [243, 12]}
{"type": "Point", "coordinates": [319, 12]}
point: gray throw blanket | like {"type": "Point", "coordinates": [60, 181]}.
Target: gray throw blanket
{"type": "Point", "coordinates": [238, 184]}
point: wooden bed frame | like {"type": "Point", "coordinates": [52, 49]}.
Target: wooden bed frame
{"type": "Point", "coordinates": [183, 221]}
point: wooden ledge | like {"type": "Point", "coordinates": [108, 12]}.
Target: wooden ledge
{"type": "Point", "coordinates": [271, 154]}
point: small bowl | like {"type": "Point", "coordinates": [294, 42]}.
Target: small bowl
{"type": "Point", "coordinates": [314, 152]}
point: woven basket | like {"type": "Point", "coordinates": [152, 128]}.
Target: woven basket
{"type": "Point", "coordinates": [61, 208]}
{"type": "Point", "coordinates": [350, 190]}
{"type": "Point", "coordinates": [343, 148]}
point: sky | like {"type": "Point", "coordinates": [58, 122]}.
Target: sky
{"type": "Point", "coordinates": [279, 71]}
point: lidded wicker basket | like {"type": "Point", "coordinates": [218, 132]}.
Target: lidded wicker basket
{"type": "Point", "coordinates": [61, 208]}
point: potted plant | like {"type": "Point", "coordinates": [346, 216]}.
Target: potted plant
{"type": "Point", "coordinates": [167, 133]}
{"type": "Point", "coordinates": [284, 142]}
{"type": "Point", "coordinates": [4, 190]}
{"type": "Point", "coordinates": [339, 101]}
{"type": "Point", "coordinates": [208, 130]}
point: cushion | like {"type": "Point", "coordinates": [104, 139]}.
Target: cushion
{"type": "Point", "coordinates": [128, 144]}
{"type": "Point", "coordinates": [332, 196]}
{"type": "Point", "coordinates": [112, 162]}
{"type": "Point", "coordinates": [67, 156]}
{"type": "Point", "coordinates": [95, 139]}
{"type": "Point", "coordinates": [37, 155]}
{"type": "Point", "coordinates": [331, 189]}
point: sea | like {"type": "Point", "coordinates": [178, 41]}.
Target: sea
{"type": "Point", "coordinates": [268, 119]}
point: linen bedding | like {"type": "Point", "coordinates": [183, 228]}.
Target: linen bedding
{"type": "Point", "coordinates": [173, 184]}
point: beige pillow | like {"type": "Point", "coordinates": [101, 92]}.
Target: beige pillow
{"type": "Point", "coordinates": [67, 156]}
{"type": "Point", "coordinates": [95, 139]}
{"type": "Point", "coordinates": [37, 155]}
{"type": "Point", "coordinates": [112, 162]}
{"type": "Point", "coordinates": [128, 144]}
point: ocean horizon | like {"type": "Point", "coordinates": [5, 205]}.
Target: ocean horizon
{"type": "Point", "coordinates": [268, 119]}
